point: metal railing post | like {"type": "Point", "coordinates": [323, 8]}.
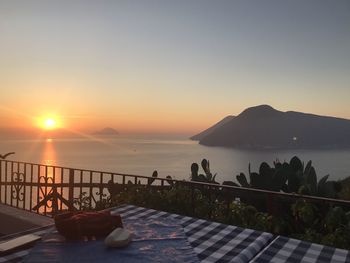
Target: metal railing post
{"type": "Point", "coordinates": [71, 190]}
{"type": "Point", "coordinates": [270, 204]}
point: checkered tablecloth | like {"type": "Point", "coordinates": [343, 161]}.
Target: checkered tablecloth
{"type": "Point", "coordinates": [283, 249]}
{"type": "Point", "coordinates": [215, 242]}
{"type": "Point", "coordinates": [212, 242]}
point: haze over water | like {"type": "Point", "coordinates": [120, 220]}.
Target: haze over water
{"type": "Point", "coordinates": [169, 155]}
{"type": "Point", "coordinates": [167, 67]}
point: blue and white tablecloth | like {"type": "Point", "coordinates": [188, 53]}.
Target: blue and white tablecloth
{"type": "Point", "coordinates": [211, 241]}
{"type": "Point", "coordinates": [284, 249]}
{"type": "Point", "coordinates": [215, 242]}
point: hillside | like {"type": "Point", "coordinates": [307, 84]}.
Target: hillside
{"type": "Point", "coordinates": [206, 132]}
{"type": "Point", "coordinates": [264, 127]}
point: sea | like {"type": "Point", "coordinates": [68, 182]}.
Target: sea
{"type": "Point", "coordinates": [169, 155]}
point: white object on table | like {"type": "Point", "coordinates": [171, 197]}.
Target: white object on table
{"type": "Point", "coordinates": [119, 237]}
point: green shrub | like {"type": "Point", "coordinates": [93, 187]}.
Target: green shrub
{"type": "Point", "coordinates": [315, 222]}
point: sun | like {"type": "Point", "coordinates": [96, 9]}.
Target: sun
{"type": "Point", "coordinates": [49, 124]}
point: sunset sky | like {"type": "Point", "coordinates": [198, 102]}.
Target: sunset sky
{"type": "Point", "coordinates": [170, 66]}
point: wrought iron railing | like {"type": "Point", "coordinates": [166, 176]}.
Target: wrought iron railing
{"type": "Point", "coordinates": [46, 189]}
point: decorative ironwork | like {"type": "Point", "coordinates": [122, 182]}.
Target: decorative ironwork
{"type": "Point", "coordinates": [44, 183]}
{"type": "Point", "coordinates": [53, 197]}
{"type": "Point", "coordinates": [4, 156]}
{"type": "Point", "coordinates": [35, 189]}
{"type": "Point", "coordinates": [101, 193]}
{"type": "Point", "coordinates": [18, 186]}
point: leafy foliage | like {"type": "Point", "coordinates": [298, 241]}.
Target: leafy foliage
{"type": "Point", "coordinates": [316, 222]}
{"type": "Point", "coordinates": [207, 177]}
{"type": "Point", "coordinates": [290, 177]}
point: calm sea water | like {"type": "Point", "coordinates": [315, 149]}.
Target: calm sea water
{"type": "Point", "coordinates": [169, 156]}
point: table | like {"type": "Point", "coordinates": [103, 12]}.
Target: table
{"type": "Point", "coordinates": [211, 241]}
{"type": "Point", "coordinates": [284, 249]}
{"type": "Point", "coordinates": [215, 242]}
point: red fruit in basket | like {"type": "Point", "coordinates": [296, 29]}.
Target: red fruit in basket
{"type": "Point", "coordinates": [74, 225]}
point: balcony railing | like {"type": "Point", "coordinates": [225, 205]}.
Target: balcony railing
{"type": "Point", "coordinates": [47, 190]}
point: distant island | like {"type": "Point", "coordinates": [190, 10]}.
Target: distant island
{"type": "Point", "coordinates": [263, 127]}
{"type": "Point", "coordinates": [107, 131]}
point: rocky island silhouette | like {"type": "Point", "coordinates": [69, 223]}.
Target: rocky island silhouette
{"type": "Point", "coordinates": [263, 127]}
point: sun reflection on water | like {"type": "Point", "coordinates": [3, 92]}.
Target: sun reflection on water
{"type": "Point", "coordinates": [47, 172]}
{"type": "Point", "coordinates": [49, 153]}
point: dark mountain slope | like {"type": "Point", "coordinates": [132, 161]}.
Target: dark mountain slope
{"type": "Point", "coordinates": [265, 127]}
{"type": "Point", "coordinates": [206, 132]}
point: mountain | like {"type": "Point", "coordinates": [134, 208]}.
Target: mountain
{"type": "Point", "coordinates": [107, 131]}
{"type": "Point", "coordinates": [206, 132]}
{"type": "Point", "coordinates": [263, 127]}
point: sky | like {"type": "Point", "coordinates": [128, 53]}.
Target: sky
{"type": "Point", "coordinates": [170, 66]}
